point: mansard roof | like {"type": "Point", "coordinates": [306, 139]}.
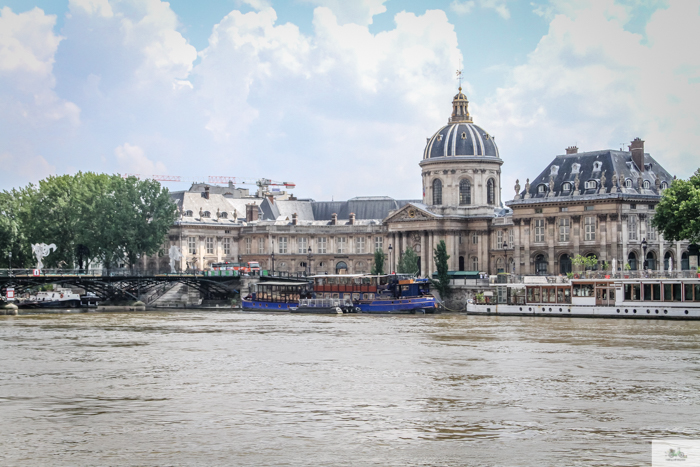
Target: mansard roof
{"type": "Point", "coordinates": [599, 167]}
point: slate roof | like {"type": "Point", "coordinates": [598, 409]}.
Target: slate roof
{"type": "Point", "coordinates": [375, 207]}
{"type": "Point", "coordinates": [591, 166]}
{"type": "Point", "coordinates": [460, 139]}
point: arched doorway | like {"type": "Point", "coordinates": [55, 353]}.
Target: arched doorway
{"type": "Point", "coordinates": [668, 258]}
{"type": "Point", "coordinates": [500, 265]}
{"type": "Point", "coordinates": [632, 260]}
{"type": "Point", "coordinates": [685, 261]}
{"type": "Point", "coordinates": [651, 261]}
{"type": "Point", "coordinates": [461, 263]}
{"type": "Point", "coordinates": [565, 264]}
{"type": "Point", "coordinates": [540, 265]}
{"type": "Point", "coordinates": [341, 268]}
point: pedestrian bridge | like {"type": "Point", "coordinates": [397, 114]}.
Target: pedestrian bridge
{"type": "Point", "coordinates": [120, 284]}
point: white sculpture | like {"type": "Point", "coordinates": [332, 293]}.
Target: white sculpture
{"type": "Point", "coordinates": [175, 255]}
{"type": "Point", "coordinates": [670, 265]}
{"type": "Point", "coordinates": [42, 250]}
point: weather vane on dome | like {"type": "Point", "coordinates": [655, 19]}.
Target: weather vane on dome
{"type": "Point", "coordinates": [459, 75]}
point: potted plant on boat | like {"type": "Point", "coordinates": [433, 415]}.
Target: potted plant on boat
{"type": "Point", "coordinates": [627, 269]}
{"type": "Point", "coordinates": [698, 272]}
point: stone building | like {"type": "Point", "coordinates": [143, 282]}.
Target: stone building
{"type": "Point", "coordinates": [593, 203]}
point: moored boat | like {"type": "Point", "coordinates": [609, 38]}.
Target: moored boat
{"type": "Point", "coordinates": [275, 296]}
{"type": "Point", "coordinates": [58, 298]}
{"type": "Point", "coordinates": [654, 298]}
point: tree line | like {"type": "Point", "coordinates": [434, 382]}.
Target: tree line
{"type": "Point", "coordinates": [89, 217]}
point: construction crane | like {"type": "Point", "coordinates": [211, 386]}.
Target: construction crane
{"type": "Point", "coordinates": [262, 183]}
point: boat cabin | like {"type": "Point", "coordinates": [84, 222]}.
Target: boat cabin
{"type": "Point", "coordinates": [280, 292]}
{"type": "Point", "coordinates": [369, 287]}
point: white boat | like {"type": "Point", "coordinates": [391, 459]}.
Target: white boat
{"type": "Point", "coordinates": [58, 298]}
{"type": "Point", "coordinates": [652, 298]}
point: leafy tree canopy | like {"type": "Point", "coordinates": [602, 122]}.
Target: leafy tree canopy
{"type": "Point", "coordinates": [442, 284]}
{"type": "Point", "coordinates": [678, 213]}
{"type": "Point", "coordinates": [113, 218]}
{"type": "Point", "coordinates": [408, 264]}
{"type": "Point", "coordinates": [378, 267]}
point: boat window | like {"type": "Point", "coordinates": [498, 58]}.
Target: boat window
{"type": "Point", "coordinates": [356, 296]}
{"type": "Point", "coordinates": [583, 290]}
{"type": "Point", "coordinates": [655, 292]}
{"type": "Point", "coordinates": [688, 292]}
{"type": "Point", "coordinates": [611, 294]}
{"type": "Point", "coordinates": [567, 295]}
{"type": "Point", "coordinates": [545, 295]}
{"type": "Point", "coordinates": [560, 295]}
{"type": "Point", "coordinates": [636, 292]}
{"type": "Point", "coordinates": [668, 295]}
{"type": "Point", "coordinates": [677, 293]}
{"type": "Point", "coordinates": [553, 295]}
{"type": "Point", "coordinates": [335, 295]}
{"type": "Point", "coordinates": [647, 291]}
{"type": "Point", "coordinates": [369, 296]}
{"type": "Point", "coordinates": [697, 292]}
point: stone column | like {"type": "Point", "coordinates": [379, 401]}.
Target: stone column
{"type": "Point", "coordinates": [602, 238]}
{"type": "Point", "coordinates": [660, 259]}
{"type": "Point", "coordinates": [625, 236]}
{"type": "Point", "coordinates": [551, 232]}
{"type": "Point", "coordinates": [577, 234]}
{"type": "Point", "coordinates": [526, 240]}
{"type": "Point", "coordinates": [612, 239]}
{"type": "Point", "coordinates": [219, 247]}
{"type": "Point", "coordinates": [449, 244]}
{"type": "Point", "coordinates": [677, 266]}
{"type": "Point", "coordinates": [200, 262]}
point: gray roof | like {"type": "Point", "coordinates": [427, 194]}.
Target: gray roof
{"type": "Point", "coordinates": [590, 166]}
{"type": "Point", "coordinates": [460, 139]}
{"type": "Point", "coordinates": [364, 207]}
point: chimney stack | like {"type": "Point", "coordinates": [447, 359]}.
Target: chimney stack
{"type": "Point", "coordinates": [251, 212]}
{"type": "Point", "coordinates": [352, 218]}
{"type": "Point", "coordinates": [637, 150]}
{"type": "Point", "coordinates": [206, 192]}
{"type": "Point", "coordinates": [572, 150]}
{"type": "Point", "coordinates": [334, 219]}
{"type": "Point", "coordinates": [295, 219]}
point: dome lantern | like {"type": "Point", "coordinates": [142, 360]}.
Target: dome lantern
{"type": "Point", "coordinates": [460, 109]}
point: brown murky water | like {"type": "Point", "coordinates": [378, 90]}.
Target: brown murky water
{"type": "Point", "coordinates": [220, 388]}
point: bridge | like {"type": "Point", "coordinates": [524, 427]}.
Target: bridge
{"type": "Point", "coordinates": [120, 284]}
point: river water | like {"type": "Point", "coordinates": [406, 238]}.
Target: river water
{"type": "Point", "coordinates": [226, 388]}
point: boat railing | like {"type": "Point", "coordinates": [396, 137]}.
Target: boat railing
{"type": "Point", "coordinates": [323, 302]}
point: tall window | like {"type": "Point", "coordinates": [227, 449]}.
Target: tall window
{"type": "Point", "coordinates": [302, 245]}
{"type": "Point", "coordinates": [589, 223]}
{"type": "Point", "coordinates": [475, 239]}
{"type": "Point", "coordinates": [227, 246]}
{"type": "Point", "coordinates": [511, 242]}
{"type": "Point", "coordinates": [360, 245]}
{"type": "Point", "coordinates": [632, 227]}
{"type": "Point", "coordinates": [248, 245]}
{"type": "Point", "coordinates": [210, 245]}
{"type": "Point", "coordinates": [342, 244]}
{"type": "Point", "coordinates": [539, 230]}
{"type": "Point", "coordinates": [651, 231]}
{"type": "Point", "coordinates": [465, 192]}
{"type": "Point", "coordinates": [499, 239]}
{"type": "Point", "coordinates": [564, 229]}
{"type": "Point", "coordinates": [282, 244]}
{"type": "Point", "coordinates": [475, 263]}
{"type": "Point", "coordinates": [490, 192]}
{"type": "Point", "coordinates": [378, 243]}
{"type": "Point", "coordinates": [192, 245]}
{"type": "Point", "coordinates": [261, 245]}
{"type": "Point", "coordinates": [437, 191]}
{"type": "Point", "coordinates": [321, 245]}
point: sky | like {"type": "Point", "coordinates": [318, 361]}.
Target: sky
{"type": "Point", "coordinates": [338, 96]}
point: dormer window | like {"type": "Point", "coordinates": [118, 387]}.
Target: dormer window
{"type": "Point", "coordinates": [591, 184]}
{"type": "Point", "coordinates": [188, 214]}
{"type": "Point", "coordinates": [566, 186]}
{"type": "Point", "coordinates": [541, 189]}
{"type": "Point", "coordinates": [575, 168]}
{"type": "Point", "coordinates": [439, 137]}
{"type": "Point", "coordinates": [597, 165]}
{"type": "Point", "coordinates": [555, 170]}
{"type": "Point", "coordinates": [664, 185]}
{"type": "Point", "coordinates": [206, 214]}
{"type": "Point", "coordinates": [464, 135]}
{"type": "Point", "coordinates": [628, 183]}
{"type": "Point", "coordinates": [646, 184]}
{"type": "Point", "coordinates": [223, 215]}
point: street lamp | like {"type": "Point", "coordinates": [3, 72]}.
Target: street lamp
{"type": "Point", "coordinates": [10, 255]}
{"type": "Point", "coordinates": [308, 263]}
{"type": "Point", "coordinates": [391, 262]}
{"type": "Point", "coordinates": [644, 249]}
{"type": "Point", "coordinates": [272, 257]}
{"type": "Point", "coordinates": [505, 248]}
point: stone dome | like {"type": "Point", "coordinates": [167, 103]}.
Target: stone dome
{"type": "Point", "coordinates": [460, 137]}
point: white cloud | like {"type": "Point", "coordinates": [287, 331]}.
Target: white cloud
{"type": "Point", "coordinates": [462, 7]}
{"type": "Point", "coordinates": [132, 159]}
{"type": "Point", "coordinates": [356, 11]}
{"type": "Point", "coordinates": [26, 167]}
{"type": "Point", "coordinates": [591, 82]}
{"type": "Point", "coordinates": [92, 7]}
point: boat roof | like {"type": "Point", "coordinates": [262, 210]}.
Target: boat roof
{"type": "Point", "coordinates": [282, 283]}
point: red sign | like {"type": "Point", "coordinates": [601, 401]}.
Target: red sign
{"type": "Point", "coordinates": [37, 272]}
{"type": "Point", "coordinates": [10, 294]}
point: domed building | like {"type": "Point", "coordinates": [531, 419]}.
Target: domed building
{"type": "Point", "coordinates": [461, 204]}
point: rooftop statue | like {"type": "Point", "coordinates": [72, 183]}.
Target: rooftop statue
{"type": "Point", "coordinates": [41, 251]}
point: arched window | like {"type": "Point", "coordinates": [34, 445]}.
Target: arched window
{"type": "Point", "coordinates": [646, 184]}
{"type": "Point", "coordinates": [465, 192]}
{"type": "Point", "coordinates": [206, 214]}
{"type": "Point", "coordinates": [632, 260]}
{"type": "Point", "coordinates": [461, 263]}
{"type": "Point", "coordinates": [437, 191]}
{"type": "Point", "coordinates": [223, 215]}
{"type": "Point", "coordinates": [566, 186]}
{"type": "Point", "coordinates": [628, 183]}
{"type": "Point", "coordinates": [540, 265]}
{"type": "Point", "coordinates": [685, 261]}
{"type": "Point", "coordinates": [499, 265]}
{"type": "Point", "coordinates": [651, 261]}
{"type": "Point", "coordinates": [565, 264]}
{"type": "Point", "coordinates": [341, 267]}
{"type": "Point", "coordinates": [490, 192]}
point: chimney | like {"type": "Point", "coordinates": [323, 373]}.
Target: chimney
{"type": "Point", "coordinates": [206, 192]}
{"type": "Point", "coordinates": [251, 212]}
{"type": "Point", "coordinates": [295, 219]}
{"type": "Point", "coordinates": [572, 150]}
{"type": "Point", "coordinates": [334, 219]}
{"type": "Point", "coordinates": [352, 218]}
{"type": "Point", "coordinates": [637, 150]}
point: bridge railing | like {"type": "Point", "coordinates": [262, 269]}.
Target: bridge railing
{"type": "Point", "coordinates": [98, 272]}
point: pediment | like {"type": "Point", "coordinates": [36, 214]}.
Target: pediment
{"type": "Point", "coordinates": [410, 213]}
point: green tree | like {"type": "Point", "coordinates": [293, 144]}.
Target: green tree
{"type": "Point", "coordinates": [442, 284]}
{"type": "Point", "coordinates": [586, 262]}
{"type": "Point", "coordinates": [378, 267]}
{"type": "Point", "coordinates": [408, 264]}
{"type": "Point", "coordinates": [678, 213]}
{"type": "Point", "coordinates": [13, 235]}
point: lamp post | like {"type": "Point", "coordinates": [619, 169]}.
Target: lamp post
{"type": "Point", "coordinates": [308, 263]}
{"type": "Point", "coordinates": [10, 256]}
{"type": "Point", "coordinates": [391, 259]}
{"type": "Point", "coordinates": [272, 257]}
{"type": "Point", "coordinates": [505, 251]}
{"type": "Point", "coordinates": [644, 249]}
